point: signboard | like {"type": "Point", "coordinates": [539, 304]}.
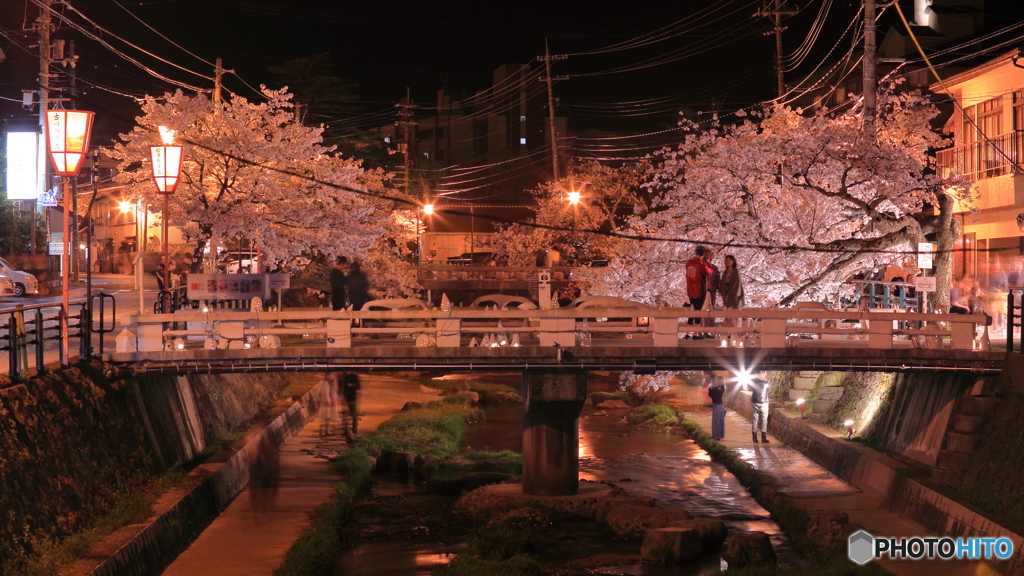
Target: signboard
{"type": "Point", "coordinates": [924, 255]}
{"type": "Point", "coordinates": [228, 286]}
{"type": "Point", "coordinates": [280, 281]}
{"type": "Point", "coordinates": [56, 249]}
{"type": "Point", "coordinates": [22, 149]}
{"type": "Point", "coordinates": [925, 284]}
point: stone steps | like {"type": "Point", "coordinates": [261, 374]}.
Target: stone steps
{"type": "Point", "coordinates": [962, 437]}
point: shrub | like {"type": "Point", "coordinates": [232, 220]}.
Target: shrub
{"type": "Point", "coordinates": [332, 530]}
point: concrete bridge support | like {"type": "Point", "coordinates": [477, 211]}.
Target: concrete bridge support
{"type": "Point", "coordinates": [552, 402]}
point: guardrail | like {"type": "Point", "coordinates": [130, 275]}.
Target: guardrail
{"type": "Point", "coordinates": [564, 327]}
{"type": "Point", "coordinates": [875, 294]}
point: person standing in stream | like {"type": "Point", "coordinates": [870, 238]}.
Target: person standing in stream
{"type": "Point", "coordinates": [716, 391]}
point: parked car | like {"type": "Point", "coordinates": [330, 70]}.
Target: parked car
{"type": "Point", "coordinates": [6, 287]}
{"type": "Point", "coordinates": [477, 259]}
{"type": "Point", "coordinates": [23, 282]}
{"type": "Point", "coordinates": [229, 263]}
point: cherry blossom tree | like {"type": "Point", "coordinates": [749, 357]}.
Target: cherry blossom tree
{"type": "Point", "coordinates": [802, 201]}
{"type": "Point", "coordinates": [606, 197]}
{"type": "Point", "coordinates": [251, 171]}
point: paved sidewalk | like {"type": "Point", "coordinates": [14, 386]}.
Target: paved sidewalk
{"type": "Point", "coordinates": [251, 536]}
{"type": "Point", "coordinates": [814, 488]}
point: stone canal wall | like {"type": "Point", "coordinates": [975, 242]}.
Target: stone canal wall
{"type": "Point", "coordinates": [72, 440]}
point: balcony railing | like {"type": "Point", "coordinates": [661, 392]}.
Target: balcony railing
{"type": "Point", "coordinates": [994, 157]}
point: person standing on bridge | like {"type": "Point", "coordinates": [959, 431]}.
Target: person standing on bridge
{"type": "Point", "coordinates": [357, 285]}
{"type": "Point", "coordinates": [338, 283]}
{"type": "Point", "coordinates": [697, 273]}
{"type": "Point", "coordinates": [759, 402]}
{"type": "Point", "coordinates": [716, 391]}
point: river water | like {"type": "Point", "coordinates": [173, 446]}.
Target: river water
{"type": "Point", "coordinates": [667, 467]}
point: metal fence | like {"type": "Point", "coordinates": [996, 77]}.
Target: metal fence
{"type": "Point", "coordinates": [993, 157]}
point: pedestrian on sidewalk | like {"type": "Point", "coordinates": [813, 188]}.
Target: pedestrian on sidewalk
{"type": "Point", "coordinates": [715, 392]}
{"type": "Point", "coordinates": [351, 393]}
{"type": "Point", "coordinates": [328, 402]}
{"type": "Point", "coordinates": [759, 402]}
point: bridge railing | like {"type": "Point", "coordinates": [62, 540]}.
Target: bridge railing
{"type": "Point", "coordinates": [594, 326]}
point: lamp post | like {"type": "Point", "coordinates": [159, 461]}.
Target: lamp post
{"type": "Point", "coordinates": [166, 160]}
{"type": "Point", "coordinates": [67, 141]}
{"type": "Point", "coordinates": [428, 209]}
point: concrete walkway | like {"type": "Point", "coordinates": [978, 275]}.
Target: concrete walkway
{"type": "Point", "coordinates": [814, 488]}
{"type": "Point", "coordinates": [251, 536]}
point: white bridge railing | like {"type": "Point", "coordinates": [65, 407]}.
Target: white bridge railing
{"type": "Point", "coordinates": [635, 325]}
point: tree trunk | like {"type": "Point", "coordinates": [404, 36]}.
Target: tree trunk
{"type": "Point", "coordinates": [205, 233]}
{"type": "Point", "coordinates": [946, 233]}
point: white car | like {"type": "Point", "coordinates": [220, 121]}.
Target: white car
{"type": "Point", "coordinates": [23, 282]}
{"type": "Point", "coordinates": [6, 286]}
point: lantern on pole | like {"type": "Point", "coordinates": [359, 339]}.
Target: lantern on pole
{"type": "Point", "coordinates": [67, 142]}
{"type": "Point", "coordinates": [166, 159]}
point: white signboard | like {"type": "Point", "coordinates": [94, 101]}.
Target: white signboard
{"type": "Point", "coordinates": [280, 281]}
{"type": "Point", "coordinates": [228, 286]}
{"type": "Point", "coordinates": [56, 249]}
{"type": "Point", "coordinates": [925, 283]}
{"type": "Point", "coordinates": [924, 255]}
{"type": "Point", "coordinates": [22, 148]}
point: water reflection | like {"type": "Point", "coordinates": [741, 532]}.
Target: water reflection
{"type": "Point", "coordinates": [383, 558]}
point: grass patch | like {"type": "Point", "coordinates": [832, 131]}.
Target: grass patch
{"type": "Point", "coordinates": [493, 461]}
{"type": "Point", "coordinates": [134, 507]}
{"type": "Point", "coordinates": [332, 530]}
{"type": "Point", "coordinates": [500, 550]}
{"type": "Point", "coordinates": [598, 397]}
{"type": "Point", "coordinates": [435, 429]}
{"type": "Point", "coordinates": [655, 415]}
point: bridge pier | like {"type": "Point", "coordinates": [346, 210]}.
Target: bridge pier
{"type": "Point", "coordinates": [552, 402]}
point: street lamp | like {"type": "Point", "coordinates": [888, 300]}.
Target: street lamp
{"type": "Point", "coordinates": [166, 160]}
{"type": "Point", "coordinates": [67, 141]}
{"type": "Point", "coordinates": [574, 198]}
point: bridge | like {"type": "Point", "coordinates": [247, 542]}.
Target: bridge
{"type": "Point", "coordinates": [597, 334]}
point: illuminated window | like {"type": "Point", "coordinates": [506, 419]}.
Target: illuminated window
{"type": "Point", "coordinates": [522, 140]}
{"type": "Point", "coordinates": [522, 118]}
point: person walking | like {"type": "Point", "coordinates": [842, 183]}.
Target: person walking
{"type": "Point", "coordinates": [328, 402]}
{"type": "Point", "coordinates": [357, 286]}
{"type": "Point", "coordinates": [338, 283]}
{"type": "Point", "coordinates": [350, 391]}
{"type": "Point", "coordinates": [697, 272]}
{"type": "Point", "coordinates": [716, 391]}
{"type": "Point", "coordinates": [759, 400]}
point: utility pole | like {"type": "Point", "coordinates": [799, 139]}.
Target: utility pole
{"type": "Point", "coordinates": [218, 73]}
{"type": "Point", "coordinates": [547, 58]}
{"type": "Point", "coordinates": [43, 25]}
{"type": "Point", "coordinates": [776, 15]}
{"type": "Point", "coordinates": [407, 123]}
{"type": "Point", "coordinates": [869, 67]}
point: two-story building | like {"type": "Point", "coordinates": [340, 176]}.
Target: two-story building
{"type": "Point", "coordinates": [988, 128]}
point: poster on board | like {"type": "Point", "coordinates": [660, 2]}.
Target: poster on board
{"type": "Point", "coordinates": [228, 286]}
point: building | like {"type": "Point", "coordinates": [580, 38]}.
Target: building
{"type": "Point", "coordinates": [507, 120]}
{"type": "Point", "coordinates": [988, 129]}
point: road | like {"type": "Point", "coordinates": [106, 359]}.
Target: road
{"type": "Point", "coordinates": [121, 287]}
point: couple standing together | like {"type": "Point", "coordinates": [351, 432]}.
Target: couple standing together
{"type": "Point", "coordinates": [348, 279]}
{"type": "Point", "coordinates": [704, 281]}
{"type": "Point", "coordinates": [759, 403]}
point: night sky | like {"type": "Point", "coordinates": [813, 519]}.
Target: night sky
{"type": "Point", "coordinates": [719, 55]}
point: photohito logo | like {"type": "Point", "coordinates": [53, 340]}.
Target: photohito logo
{"type": "Point", "coordinates": [863, 547]}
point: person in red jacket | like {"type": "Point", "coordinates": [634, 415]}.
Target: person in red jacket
{"type": "Point", "coordinates": [697, 273]}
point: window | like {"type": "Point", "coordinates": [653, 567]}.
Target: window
{"type": "Point", "coordinates": [522, 118]}
{"type": "Point", "coordinates": [522, 141]}
{"type": "Point", "coordinates": [987, 121]}
{"type": "Point", "coordinates": [984, 141]}
{"type": "Point", "coordinates": [426, 155]}
{"type": "Point", "coordinates": [387, 139]}
{"type": "Point", "coordinates": [1018, 110]}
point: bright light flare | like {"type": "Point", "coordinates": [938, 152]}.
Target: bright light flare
{"type": "Point", "coordinates": [166, 135]}
{"type": "Point", "coordinates": [428, 209]}
{"type": "Point", "coordinates": [574, 198]}
{"type": "Point", "coordinates": [799, 401]}
{"type": "Point", "coordinates": [743, 378]}
{"type": "Point", "coordinates": [848, 423]}
{"type": "Point", "coordinates": [125, 206]}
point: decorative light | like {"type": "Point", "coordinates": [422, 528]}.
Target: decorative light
{"type": "Point", "coordinates": [428, 209]}
{"type": "Point", "coordinates": [574, 198]}
{"type": "Point", "coordinates": [67, 139]}
{"type": "Point", "coordinates": [179, 344]}
{"type": "Point", "coordinates": [802, 405]}
{"type": "Point", "coordinates": [166, 162]}
{"type": "Point", "coordinates": [849, 429]}
{"type": "Point", "coordinates": [125, 206]}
